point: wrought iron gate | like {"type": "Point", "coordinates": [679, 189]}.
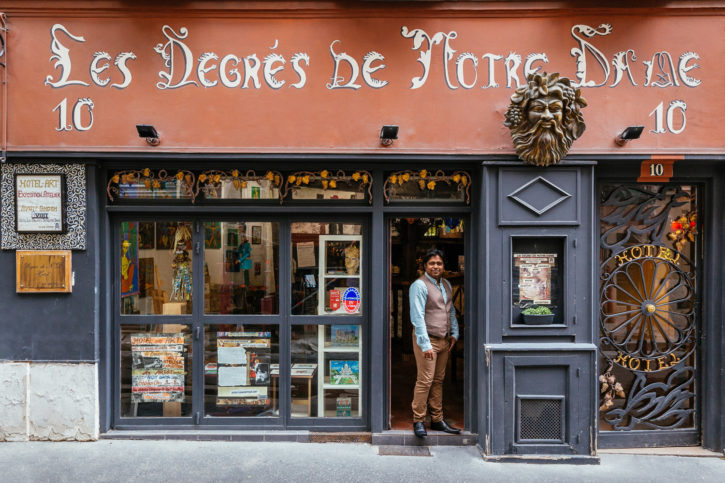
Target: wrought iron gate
{"type": "Point", "coordinates": [649, 315]}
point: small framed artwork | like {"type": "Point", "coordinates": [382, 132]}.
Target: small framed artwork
{"type": "Point", "coordinates": [213, 235]}
{"type": "Point", "coordinates": [165, 233]}
{"type": "Point", "coordinates": [232, 237]}
{"type": "Point", "coordinates": [258, 268]}
{"type": "Point", "coordinates": [146, 235]}
{"type": "Point", "coordinates": [256, 235]}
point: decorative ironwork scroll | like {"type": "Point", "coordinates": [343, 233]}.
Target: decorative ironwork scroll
{"type": "Point", "coordinates": [648, 312]}
{"type": "Point", "coordinates": [429, 181]}
{"type": "Point", "coordinates": [151, 181]}
{"type": "Point", "coordinates": [657, 405]}
{"type": "Point", "coordinates": [210, 182]}
{"type": "Point", "coordinates": [328, 180]}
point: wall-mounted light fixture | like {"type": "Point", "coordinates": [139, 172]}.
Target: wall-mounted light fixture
{"type": "Point", "coordinates": [148, 132]}
{"type": "Point", "coordinates": [632, 132]}
{"type": "Point", "coordinates": [388, 134]}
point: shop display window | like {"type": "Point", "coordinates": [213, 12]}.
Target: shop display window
{"type": "Point", "coordinates": [537, 269]}
{"type": "Point", "coordinates": [326, 371]}
{"type": "Point", "coordinates": [241, 370]}
{"type": "Point", "coordinates": [230, 188]}
{"type": "Point", "coordinates": [427, 185]}
{"type": "Point", "coordinates": [327, 269]}
{"type": "Point", "coordinates": [156, 362]}
{"type": "Point", "coordinates": [241, 267]}
{"type": "Point", "coordinates": [156, 267]}
{"type": "Point", "coordinates": [320, 190]}
{"type": "Point", "coordinates": [167, 189]}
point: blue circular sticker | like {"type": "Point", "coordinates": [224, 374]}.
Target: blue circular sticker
{"type": "Point", "coordinates": [351, 300]}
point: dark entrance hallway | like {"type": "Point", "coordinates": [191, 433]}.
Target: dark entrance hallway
{"type": "Point", "coordinates": [410, 238]}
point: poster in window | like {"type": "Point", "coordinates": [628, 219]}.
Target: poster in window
{"type": "Point", "coordinates": [157, 368]}
{"type": "Point", "coordinates": [535, 270]}
{"type": "Point", "coordinates": [129, 258]}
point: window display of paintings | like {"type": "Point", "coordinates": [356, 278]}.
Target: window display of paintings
{"type": "Point", "coordinates": [157, 368]}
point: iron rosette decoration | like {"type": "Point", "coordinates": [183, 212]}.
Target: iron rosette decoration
{"type": "Point", "coordinates": [151, 180]}
{"type": "Point", "coordinates": [210, 182]}
{"type": "Point", "coordinates": [545, 118]}
{"type": "Point", "coordinates": [427, 180]}
{"type": "Point", "coordinates": [650, 325]}
{"type": "Point", "coordinates": [329, 180]}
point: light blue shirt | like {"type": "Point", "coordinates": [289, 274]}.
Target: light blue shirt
{"type": "Point", "coordinates": [418, 294]}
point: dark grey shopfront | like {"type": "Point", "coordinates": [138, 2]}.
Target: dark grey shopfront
{"type": "Point", "coordinates": [529, 389]}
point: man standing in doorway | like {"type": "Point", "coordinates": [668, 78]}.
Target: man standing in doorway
{"type": "Point", "coordinates": [436, 331]}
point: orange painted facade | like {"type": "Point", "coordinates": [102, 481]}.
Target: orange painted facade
{"type": "Point", "coordinates": [673, 84]}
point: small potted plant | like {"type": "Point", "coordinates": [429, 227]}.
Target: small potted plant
{"type": "Point", "coordinates": [538, 315]}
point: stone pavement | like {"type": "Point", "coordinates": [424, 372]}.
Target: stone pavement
{"type": "Point", "coordinates": [171, 461]}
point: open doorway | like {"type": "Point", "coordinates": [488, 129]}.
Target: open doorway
{"type": "Point", "coordinates": [409, 239]}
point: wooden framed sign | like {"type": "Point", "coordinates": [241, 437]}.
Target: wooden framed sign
{"type": "Point", "coordinates": [43, 271]}
{"type": "Point", "coordinates": [39, 203]}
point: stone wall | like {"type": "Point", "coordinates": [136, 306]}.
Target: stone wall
{"type": "Point", "coordinates": [48, 401]}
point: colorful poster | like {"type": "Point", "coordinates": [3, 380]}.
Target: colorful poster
{"type": "Point", "coordinates": [535, 276]}
{"type": "Point", "coordinates": [213, 235]}
{"type": "Point", "coordinates": [334, 300]}
{"type": "Point", "coordinates": [344, 372]}
{"type": "Point", "coordinates": [129, 258]}
{"type": "Point", "coordinates": [157, 368]}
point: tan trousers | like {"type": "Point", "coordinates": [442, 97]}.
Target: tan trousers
{"type": "Point", "coordinates": [428, 392]}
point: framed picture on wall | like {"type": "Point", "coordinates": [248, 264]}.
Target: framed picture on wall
{"type": "Point", "coordinates": [213, 235]}
{"type": "Point", "coordinates": [146, 235]}
{"type": "Point", "coordinates": [165, 233]}
{"type": "Point", "coordinates": [232, 237]}
{"type": "Point", "coordinates": [256, 235]}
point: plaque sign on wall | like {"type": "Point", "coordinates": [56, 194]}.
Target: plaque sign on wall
{"type": "Point", "coordinates": [39, 203]}
{"type": "Point", "coordinates": [43, 271]}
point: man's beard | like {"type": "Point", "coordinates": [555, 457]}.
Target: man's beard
{"type": "Point", "coordinates": [542, 146]}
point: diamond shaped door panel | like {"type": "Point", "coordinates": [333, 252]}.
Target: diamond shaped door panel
{"type": "Point", "coordinates": [541, 197]}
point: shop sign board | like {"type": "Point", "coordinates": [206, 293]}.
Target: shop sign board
{"type": "Point", "coordinates": [85, 83]}
{"type": "Point", "coordinates": [39, 203]}
{"type": "Point", "coordinates": [43, 271]}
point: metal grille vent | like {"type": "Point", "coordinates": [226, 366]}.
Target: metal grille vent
{"type": "Point", "coordinates": [540, 419]}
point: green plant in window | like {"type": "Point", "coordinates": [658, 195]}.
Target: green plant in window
{"type": "Point", "coordinates": [537, 310]}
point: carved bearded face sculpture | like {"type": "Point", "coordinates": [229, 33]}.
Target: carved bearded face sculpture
{"type": "Point", "coordinates": [545, 118]}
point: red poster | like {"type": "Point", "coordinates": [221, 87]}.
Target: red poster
{"type": "Point", "coordinates": [334, 300]}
